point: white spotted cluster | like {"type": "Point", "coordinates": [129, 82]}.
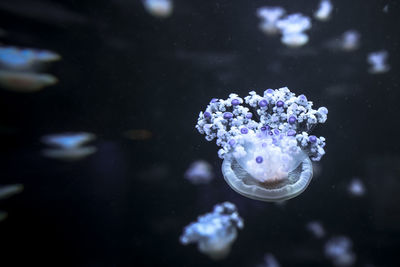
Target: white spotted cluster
{"type": "Point", "coordinates": [229, 120]}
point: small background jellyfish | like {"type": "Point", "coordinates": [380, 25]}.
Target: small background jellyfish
{"type": "Point", "coordinates": [269, 261]}
{"type": "Point", "coordinates": [214, 232]}
{"type": "Point", "coordinates": [350, 40]}
{"type": "Point", "coordinates": [292, 28]}
{"type": "Point", "coordinates": [324, 10]}
{"type": "Point", "coordinates": [69, 146]}
{"type": "Point", "coordinates": [199, 172]}
{"type": "Point", "coordinates": [378, 62]}
{"type": "Point", "coordinates": [356, 187]}
{"type": "Point", "coordinates": [19, 68]}
{"type": "Point", "coordinates": [7, 191]}
{"type": "Point", "coordinates": [269, 16]}
{"type": "Point", "coordinates": [316, 229]}
{"type": "Point", "coordinates": [339, 250]}
{"type": "Point", "coordinates": [159, 8]}
{"type": "Point", "coordinates": [267, 159]}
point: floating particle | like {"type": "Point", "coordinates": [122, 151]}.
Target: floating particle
{"type": "Point", "coordinates": [356, 187]}
{"type": "Point", "coordinates": [214, 232]}
{"type": "Point", "coordinates": [25, 81]}
{"type": "Point", "coordinates": [268, 159]}
{"type": "Point", "coordinates": [138, 134]}
{"type": "Point", "coordinates": [378, 62]}
{"type": "Point", "coordinates": [269, 16]}
{"type": "Point", "coordinates": [324, 10]}
{"type": "Point", "coordinates": [316, 229]}
{"type": "Point", "coordinates": [339, 250]}
{"type": "Point", "coordinates": [159, 8]}
{"type": "Point", "coordinates": [199, 172]}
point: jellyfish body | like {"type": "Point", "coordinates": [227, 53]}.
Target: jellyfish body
{"type": "Point", "coordinates": [378, 62]}
{"type": "Point", "coordinates": [159, 8]}
{"type": "Point", "coordinates": [270, 169]}
{"type": "Point", "coordinates": [356, 187]}
{"type": "Point", "coordinates": [269, 159]}
{"type": "Point", "coordinates": [199, 172]}
{"type": "Point", "coordinates": [269, 16]}
{"type": "Point", "coordinates": [19, 68]}
{"type": "Point", "coordinates": [324, 10]}
{"type": "Point", "coordinates": [350, 40]}
{"type": "Point", "coordinates": [214, 232]}
{"type": "Point", "coordinates": [7, 191]}
{"type": "Point", "coordinates": [68, 146]}
{"type": "Point", "coordinates": [25, 81]}
{"type": "Point", "coordinates": [292, 28]}
{"type": "Point", "coordinates": [339, 250]}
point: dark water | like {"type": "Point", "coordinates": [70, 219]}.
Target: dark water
{"type": "Point", "coordinates": [123, 69]}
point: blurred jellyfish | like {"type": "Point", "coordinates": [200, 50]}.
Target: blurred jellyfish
{"type": "Point", "coordinates": [7, 191]}
{"type": "Point", "coordinates": [269, 16]}
{"type": "Point", "coordinates": [24, 58]}
{"type": "Point", "coordinates": [69, 146]}
{"type": "Point", "coordinates": [25, 81]}
{"type": "Point", "coordinates": [292, 28]}
{"type": "Point", "coordinates": [199, 172]}
{"type": "Point", "coordinates": [269, 261]}
{"type": "Point", "coordinates": [214, 232]}
{"type": "Point", "coordinates": [316, 229]}
{"type": "Point", "coordinates": [339, 250]}
{"type": "Point", "coordinates": [19, 66]}
{"type": "Point", "coordinates": [356, 187]}
{"type": "Point", "coordinates": [378, 61]}
{"type": "Point", "coordinates": [159, 8]}
{"type": "Point", "coordinates": [324, 10]}
{"type": "Point", "coordinates": [266, 160]}
{"type": "Point", "coordinates": [386, 8]}
{"type": "Point", "coordinates": [350, 40]}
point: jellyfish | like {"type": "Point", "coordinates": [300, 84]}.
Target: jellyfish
{"type": "Point", "coordinates": [269, 17]}
{"type": "Point", "coordinates": [214, 232]}
{"type": "Point", "coordinates": [378, 62]}
{"type": "Point", "coordinates": [316, 229]}
{"type": "Point", "coordinates": [25, 81]}
{"type": "Point", "coordinates": [350, 40]}
{"type": "Point", "coordinates": [7, 191]}
{"type": "Point", "coordinates": [356, 187]}
{"type": "Point", "coordinates": [69, 146]}
{"type": "Point", "coordinates": [265, 145]}
{"type": "Point", "coordinates": [24, 58]}
{"type": "Point", "coordinates": [292, 28]}
{"type": "Point", "coordinates": [339, 250]}
{"type": "Point", "coordinates": [269, 261]}
{"type": "Point", "coordinates": [324, 10]}
{"type": "Point", "coordinates": [19, 66]}
{"type": "Point", "coordinates": [199, 172]}
{"type": "Point", "coordinates": [159, 8]}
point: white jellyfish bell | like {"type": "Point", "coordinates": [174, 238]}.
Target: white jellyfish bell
{"type": "Point", "coordinates": [270, 169]}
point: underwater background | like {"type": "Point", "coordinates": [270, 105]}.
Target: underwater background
{"type": "Point", "coordinates": [138, 83]}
